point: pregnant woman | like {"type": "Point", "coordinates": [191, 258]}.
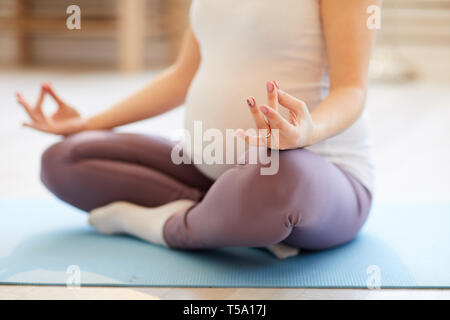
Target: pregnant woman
{"type": "Point", "coordinates": [295, 66]}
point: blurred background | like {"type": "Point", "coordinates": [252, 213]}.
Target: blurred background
{"type": "Point", "coordinates": [122, 44]}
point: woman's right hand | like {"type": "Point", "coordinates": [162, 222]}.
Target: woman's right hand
{"type": "Point", "coordinates": [65, 121]}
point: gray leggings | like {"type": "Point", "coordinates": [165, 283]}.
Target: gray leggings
{"type": "Point", "coordinates": [310, 203]}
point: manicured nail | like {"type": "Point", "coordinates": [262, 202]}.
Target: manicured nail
{"type": "Point", "coordinates": [264, 109]}
{"type": "Point", "coordinates": [270, 86]}
{"type": "Point", "coordinates": [251, 102]}
{"type": "Point", "coordinates": [276, 84]}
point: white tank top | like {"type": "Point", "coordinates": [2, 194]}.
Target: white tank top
{"type": "Point", "coordinates": [245, 43]}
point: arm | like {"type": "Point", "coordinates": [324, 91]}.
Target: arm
{"type": "Point", "coordinates": [349, 44]}
{"type": "Point", "coordinates": [165, 92]}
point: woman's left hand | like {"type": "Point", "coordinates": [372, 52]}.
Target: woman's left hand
{"type": "Point", "coordinates": [296, 132]}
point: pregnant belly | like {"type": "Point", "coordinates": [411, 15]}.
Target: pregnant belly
{"type": "Point", "coordinates": [216, 105]}
{"type": "Point", "coordinates": [214, 109]}
{"type": "Point", "coordinates": [210, 134]}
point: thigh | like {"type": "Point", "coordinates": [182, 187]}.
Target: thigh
{"type": "Point", "coordinates": [308, 203]}
{"type": "Point", "coordinates": [138, 149]}
{"type": "Point", "coordinates": [95, 168]}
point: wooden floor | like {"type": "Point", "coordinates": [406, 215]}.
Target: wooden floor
{"type": "Point", "coordinates": [39, 292]}
{"type": "Point", "coordinates": [410, 135]}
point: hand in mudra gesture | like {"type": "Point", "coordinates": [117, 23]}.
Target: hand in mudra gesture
{"type": "Point", "coordinates": [296, 132]}
{"type": "Point", "coordinates": [64, 121]}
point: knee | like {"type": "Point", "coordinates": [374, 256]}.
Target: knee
{"type": "Point", "coordinates": [57, 159]}
{"type": "Point", "coordinates": [51, 162]}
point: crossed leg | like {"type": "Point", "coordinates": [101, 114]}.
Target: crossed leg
{"type": "Point", "coordinates": [310, 203]}
{"type": "Point", "coordinates": [95, 168]}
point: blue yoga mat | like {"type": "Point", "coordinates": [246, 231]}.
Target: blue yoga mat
{"type": "Point", "coordinates": [49, 243]}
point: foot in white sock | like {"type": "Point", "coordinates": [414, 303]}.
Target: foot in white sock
{"type": "Point", "coordinates": [141, 222]}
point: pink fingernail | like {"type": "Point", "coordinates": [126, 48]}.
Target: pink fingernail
{"type": "Point", "coordinates": [251, 102]}
{"type": "Point", "coordinates": [276, 84]}
{"type": "Point", "coordinates": [264, 109]}
{"type": "Point", "coordinates": [270, 86]}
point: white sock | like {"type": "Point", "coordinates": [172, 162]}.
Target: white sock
{"type": "Point", "coordinates": [283, 251]}
{"type": "Point", "coordinates": [148, 223]}
{"type": "Point", "coordinates": [141, 222]}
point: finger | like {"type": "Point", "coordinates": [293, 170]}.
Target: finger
{"type": "Point", "coordinates": [276, 121]}
{"type": "Point", "coordinates": [252, 140]}
{"type": "Point", "coordinates": [27, 107]}
{"type": "Point", "coordinates": [53, 94]}
{"type": "Point", "coordinates": [272, 95]}
{"type": "Point", "coordinates": [256, 113]}
{"type": "Point", "coordinates": [296, 106]}
{"type": "Point", "coordinates": [38, 126]}
{"type": "Point", "coordinates": [23, 103]}
{"type": "Point", "coordinates": [38, 108]}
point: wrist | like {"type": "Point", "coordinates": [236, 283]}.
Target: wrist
{"type": "Point", "coordinates": [82, 125]}
{"type": "Point", "coordinates": [89, 124]}
{"type": "Point", "coordinates": [316, 132]}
